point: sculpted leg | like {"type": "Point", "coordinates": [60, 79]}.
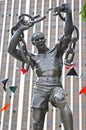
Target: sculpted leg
{"type": "Point", "coordinates": [66, 117]}
{"type": "Point", "coordinates": [38, 119]}
{"type": "Point", "coordinates": [58, 100]}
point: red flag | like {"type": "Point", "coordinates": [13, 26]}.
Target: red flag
{"type": "Point", "coordinates": [83, 90]}
{"type": "Point", "coordinates": [73, 65]}
{"type": "Point", "coordinates": [4, 108]}
{"type": "Point", "coordinates": [23, 70]}
{"type": "Point", "coordinates": [67, 67]}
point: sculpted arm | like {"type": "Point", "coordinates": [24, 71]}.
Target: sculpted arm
{"type": "Point", "coordinates": [14, 48]}
{"type": "Point", "coordinates": [68, 29]}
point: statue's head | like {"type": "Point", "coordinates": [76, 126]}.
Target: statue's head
{"type": "Point", "coordinates": [38, 37]}
{"type": "Point", "coordinates": [38, 40]}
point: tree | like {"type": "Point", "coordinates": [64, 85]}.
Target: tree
{"type": "Point", "coordinates": [83, 12]}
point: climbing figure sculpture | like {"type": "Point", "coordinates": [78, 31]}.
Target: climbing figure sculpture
{"type": "Point", "coordinates": [47, 65]}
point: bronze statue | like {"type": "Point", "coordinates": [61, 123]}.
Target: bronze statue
{"type": "Point", "coordinates": [47, 65]}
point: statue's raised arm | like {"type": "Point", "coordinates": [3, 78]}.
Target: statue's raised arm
{"type": "Point", "coordinates": [14, 42]}
{"type": "Point", "coordinates": [67, 41]}
{"type": "Point", "coordinates": [68, 27]}
{"type": "Point", "coordinates": [17, 46]}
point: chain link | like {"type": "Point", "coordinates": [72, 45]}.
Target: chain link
{"type": "Point", "coordinates": [21, 38]}
{"type": "Point", "coordinates": [69, 56]}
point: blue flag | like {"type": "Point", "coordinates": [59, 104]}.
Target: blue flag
{"type": "Point", "coordinates": [4, 83]}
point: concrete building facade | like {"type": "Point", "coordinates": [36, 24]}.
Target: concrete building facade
{"type": "Point", "coordinates": [19, 114]}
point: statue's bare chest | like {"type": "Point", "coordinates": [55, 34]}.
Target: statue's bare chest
{"type": "Point", "coordinates": [47, 64]}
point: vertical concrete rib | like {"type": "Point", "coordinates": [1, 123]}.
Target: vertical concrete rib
{"type": "Point", "coordinates": [7, 63]}
{"type": "Point", "coordinates": [13, 82]}
{"type": "Point", "coordinates": [42, 14]}
{"type": "Point", "coordinates": [12, 97]}
{"type": "Point", "coordinates": [63, 73]}
{"type": "Point", "coordinates": [48, 44]}
{"type": "Point", "coordinates": [22, 83]}
{"type": "Point", "coordinates": [3, 32]}
{"type": "Point", "coordinates": [20, 103]}
{"type": "Point", "coordinates": [80, 66]}
{"type": "Point", "coordinates": [49, 23]}
{"type": "Point", "coordinates": [71, 79]}
{"type": "Point", "coordinates": [31, 77]}
{"type": "Point", "coordinates": [56, 37]}
{"type": "Point", "coordinates": [1, 51]}
{"type": "Point", "coordinates": [56, 40]}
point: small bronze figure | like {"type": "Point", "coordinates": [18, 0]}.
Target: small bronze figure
{"type": "Point", "coordinates": [47, 65]}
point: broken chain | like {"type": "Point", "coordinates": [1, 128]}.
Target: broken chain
{"type": "Point", "coordinates": [30, 23]}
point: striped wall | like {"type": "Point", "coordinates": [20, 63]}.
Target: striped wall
{"type": "Point", "coordinates": [19, 114]}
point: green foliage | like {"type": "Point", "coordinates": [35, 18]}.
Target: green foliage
{"type": "Point", "coordinates": [83, 12]}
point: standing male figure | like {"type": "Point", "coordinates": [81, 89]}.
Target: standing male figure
{"type": "Point", "coordinates": [47, 65]}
